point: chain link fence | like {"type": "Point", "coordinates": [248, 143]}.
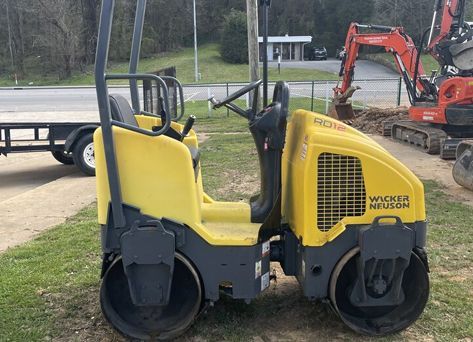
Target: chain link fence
{"type": "Point", "coordinates": [313, 95]}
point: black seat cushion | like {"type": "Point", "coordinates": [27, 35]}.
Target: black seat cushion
{"type": "Point", "coordinates": [121, 110]}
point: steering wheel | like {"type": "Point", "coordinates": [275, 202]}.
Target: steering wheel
{"type": "Point", "coordinates": [236, 95]}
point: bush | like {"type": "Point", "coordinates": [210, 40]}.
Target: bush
{"type": "Point", "coordinates": [234, 41]}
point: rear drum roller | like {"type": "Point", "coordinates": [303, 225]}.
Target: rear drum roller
{"type": "Point", "coordinates": [379, 320]}
{"type": "Point", "coordinates": [152, 323]}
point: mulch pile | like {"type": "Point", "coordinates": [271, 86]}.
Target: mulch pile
{"type": "Point", "coordinates": [371, 120]}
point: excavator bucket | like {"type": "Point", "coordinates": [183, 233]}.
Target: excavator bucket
{"type": "Point", "coordinates": [342, 111]}
{"type": "Point", "coordinates": [463, 168]}
{"type": "Point", "coordinates": [462, 55]}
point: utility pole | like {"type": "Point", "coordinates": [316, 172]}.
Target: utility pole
{"type": "Point", "coordinates": [196, 55]}
{"type": "Point", "coordinates": [253, 45]}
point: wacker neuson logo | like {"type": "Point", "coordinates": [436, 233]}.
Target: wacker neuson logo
{"type": "Point", "coordinates": [389, 202]}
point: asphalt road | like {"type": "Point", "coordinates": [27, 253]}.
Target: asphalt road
{"type": "Point", "coordinates": [43, 102]}
{"type": "Point", "coordinates": [363, 69]}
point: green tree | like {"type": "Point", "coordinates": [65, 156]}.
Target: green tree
{"type": "Point", "coordinates": [332, 19]}
{"type": "Point", "coordinates": [234, 40]}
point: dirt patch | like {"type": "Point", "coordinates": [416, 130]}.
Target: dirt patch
{"type": "Point", "coordinates": [203, 137]}
{"type": "Point", "coordinates": [241, 184]}
{"type": "Point", "coordinates": [80, 317]}
{"type": "Point", "coordinates": [371, 120]}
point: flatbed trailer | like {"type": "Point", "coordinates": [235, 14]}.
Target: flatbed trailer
{"type": "Point", "coordinates": [69, 142]}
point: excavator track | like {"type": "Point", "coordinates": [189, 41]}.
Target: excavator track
{"type": "Point", "coordinates": [421, 136]}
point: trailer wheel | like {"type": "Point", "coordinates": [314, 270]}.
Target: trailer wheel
{"type": "Point", "coordinates": [63, 157]}
{"type": "Point", "coordinates": [84, 156]}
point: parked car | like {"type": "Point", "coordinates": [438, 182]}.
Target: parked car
{"type": "Point", "coordinates": [318, 53]}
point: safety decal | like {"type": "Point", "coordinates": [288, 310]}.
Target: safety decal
{"type": "Point", "coordinates": [265, 281]}
{"type": "Point", "coordinates": [258, 269]}
{"type": "Point", "coordinates": [304, 151]}
{"type": "Point", "coordinates": [265, 249]}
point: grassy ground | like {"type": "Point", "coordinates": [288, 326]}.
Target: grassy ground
{"type": "Point", "coordinates": [49, 287]}
{"type": "Point", "coordinates": [211, 66]}
{"type": "Point", "coordinates": [386, 59]}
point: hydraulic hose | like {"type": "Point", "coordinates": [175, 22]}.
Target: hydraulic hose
{"type": "Point", "coordinates": [460, 10]}
{"type": "Point", "coordinates": [416, 72]}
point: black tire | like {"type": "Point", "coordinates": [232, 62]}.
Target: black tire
{"type": "Point", "coordinates": [63, 157]}
{"type": "Point", "coordinates": [83, 154]}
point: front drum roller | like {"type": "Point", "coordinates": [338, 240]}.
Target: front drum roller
{"type": "Point", "coordinates": [379, 320]}
{"type": "Point", "coordinates": [152, 322]}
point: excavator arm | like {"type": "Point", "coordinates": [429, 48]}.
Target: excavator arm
{"type": "Point", "coordinates": [395, 41]}
{"type": "Point", "coordinates": [453, 16]}
{"type": "Point", "coordinates": [453, 45]}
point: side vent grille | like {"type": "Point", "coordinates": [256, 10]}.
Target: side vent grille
{"type": "Point", "coordinates": [340, 189]}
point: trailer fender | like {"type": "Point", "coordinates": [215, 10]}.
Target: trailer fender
{"type": "Point", "coordinates": [75, 135]}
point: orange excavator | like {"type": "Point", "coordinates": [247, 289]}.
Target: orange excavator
{"type": "Point", "coordinates": [441, 112]}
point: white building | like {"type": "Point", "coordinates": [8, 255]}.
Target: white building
{"type": "Point", "coordinates": [291, 48]}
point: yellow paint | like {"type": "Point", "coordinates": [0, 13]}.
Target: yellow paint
{"type": "Point", "coordinates": [383, 175]}
{"type": "Point", "coordinates": [157, 176]}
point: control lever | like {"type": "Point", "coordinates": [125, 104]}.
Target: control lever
{"type": "Point", "coordinates": [187, 127]}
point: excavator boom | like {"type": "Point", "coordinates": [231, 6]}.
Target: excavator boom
{"type": "Point", "coordinates": [395, 41]}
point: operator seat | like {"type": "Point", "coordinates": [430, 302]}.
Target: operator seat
{"type": "Point", "coordinates": [122, 111]}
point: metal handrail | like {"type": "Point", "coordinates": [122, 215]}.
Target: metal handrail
{"type": "Point", "coordinates": [181, 95]}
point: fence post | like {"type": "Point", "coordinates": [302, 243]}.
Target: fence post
{"type": "Point", "coordinates": [399, 92]}
{"type": "Point", "coordinates": [209, 95]}
{"type": "Point", "coordinates": [228, 93]}
{"type": "Point", "coordinates": [312, 97]}
{"type": "Point", "coordinates": [326, 97]}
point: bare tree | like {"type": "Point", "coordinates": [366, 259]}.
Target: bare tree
{"type": "Point", "coordinates": [14, 18]}
{"type": "Point", "coordinates": [90, 27]}
{"type": "Point", "coordinates": [63, 32]}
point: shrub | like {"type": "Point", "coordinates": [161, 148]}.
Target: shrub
{"type": "Point", "coordinates": [234, 40]}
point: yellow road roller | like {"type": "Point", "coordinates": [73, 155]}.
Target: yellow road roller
{"type": "Point", "coordinates": [335, 210]}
